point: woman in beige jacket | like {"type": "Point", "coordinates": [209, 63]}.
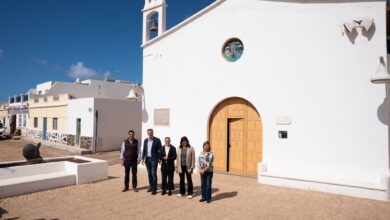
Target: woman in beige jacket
{"type": "Point", "coordinates": [185, 165]}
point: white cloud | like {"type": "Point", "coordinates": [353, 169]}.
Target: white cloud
{"type": "Point", "coordinates": [78, 70]}
{"type": "Point", "coordinates": [42, 62]}
{"type": "Point", "coordinates": [46, 64]}
{"type": "Point", "coordinates": [107, 75]}
{"type": "Point", "coordinates": [56, 66]}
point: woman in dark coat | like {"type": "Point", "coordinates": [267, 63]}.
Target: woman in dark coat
{"type": "Point", "coordinates": [167, 156]}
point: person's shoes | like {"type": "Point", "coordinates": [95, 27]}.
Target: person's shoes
{"type": "Point", "coordinates": [149, 190]}
{"type": "Point", "coordinates": [135, 189]}
{"type": "Point", "coordinates": [190, 196]}
{"type": "Point", "coordinates": [125, 189]}
{"type": "Point", "coordinates": [163, 193]}
{"type": "Point", "coordinates": [208, 201]}
{"type": "Point", "coordinates": [179, 195]}
{"type": "Point", "coordinates": [202, 200]}
{"type": "Point", "coordinates": [169, 193]}
{"type": "Point", "coordinates": [154, 192]}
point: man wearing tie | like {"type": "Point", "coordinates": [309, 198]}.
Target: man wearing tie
{"type": "Point", "coordinates": [150, 158]}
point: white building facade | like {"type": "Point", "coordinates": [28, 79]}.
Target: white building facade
{"type": "Point", "coordinates": [281, 89]}
{"type": "Point", "coordinates": [18, 113]}
{"type": "Point", "coordinates": [92, 114]}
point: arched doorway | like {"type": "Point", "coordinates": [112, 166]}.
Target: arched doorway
{"type": "Point", "coordinates": [235, 133]}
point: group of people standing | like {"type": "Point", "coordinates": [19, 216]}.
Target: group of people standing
{"type": "Point", "coordinates": [154, 152]}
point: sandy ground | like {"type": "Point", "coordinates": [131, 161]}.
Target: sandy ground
{"type": "Point", "coordinates": [234, 197]}
{"type": "Point", "coordinates": [11, 150]}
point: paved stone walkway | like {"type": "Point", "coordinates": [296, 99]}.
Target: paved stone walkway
{"type": "Point", "coordinates": [234, 197]}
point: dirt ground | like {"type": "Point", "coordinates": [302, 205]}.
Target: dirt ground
{"type": "Point", "coordinates": [234, 197]}
{"type": "Point", "coordinates": [11, 150]}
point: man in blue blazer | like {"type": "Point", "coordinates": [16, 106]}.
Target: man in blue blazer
{"type": "Point", "coordinates": [150, 157]}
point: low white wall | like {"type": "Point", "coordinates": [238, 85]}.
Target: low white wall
{"type": "Point", "coordinates": [29, 170]}
{"type": "Point", "coordinates": [350, 187]}
{"type": "Point", "coordinates": [19, 180]}
{"type": "Point", "coordinates": [94, 171]}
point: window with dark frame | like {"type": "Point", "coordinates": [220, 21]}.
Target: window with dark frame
{"type": "Point", "coordinates": [388, 26]}
{"type": "Point", "coordinates": [55, 123]}
{"type": "Point", "coordinates": [35, 122]}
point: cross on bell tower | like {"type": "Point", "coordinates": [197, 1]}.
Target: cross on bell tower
{"type": "Point", "coordinates": [151, 8]}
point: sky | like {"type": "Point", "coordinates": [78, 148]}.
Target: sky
{"type": "Point", "coordinates": [61, 40]}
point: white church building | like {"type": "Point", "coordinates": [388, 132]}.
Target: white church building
{"type": "Point", "coordinates": [282, 89]}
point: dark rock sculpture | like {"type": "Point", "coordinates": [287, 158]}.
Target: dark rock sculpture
{"type": "Point", "coordinates": [31, 152]}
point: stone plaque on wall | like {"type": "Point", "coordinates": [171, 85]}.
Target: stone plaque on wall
{"type": "Point", "coordinates": [161, 116]}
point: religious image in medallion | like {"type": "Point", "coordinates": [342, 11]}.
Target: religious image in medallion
{"type": "Point", "coordinates": [233, 49]}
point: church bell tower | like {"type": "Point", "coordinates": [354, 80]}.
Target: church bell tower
{"type": "Point", "coordinates": [154, 18]}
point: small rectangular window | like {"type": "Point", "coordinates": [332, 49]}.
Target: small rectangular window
{"type": "Point", "coordinates": [388, 26]}
{"type": "Point", "coordinates": [35, 122]}
{"type": "Point", "coordinates": [24, 120]}
{"type": "Point", "coordinates": [25, 98]}
{"type": "Point", "coordinates": [19, 120]}
{"type": "Point", "coordinates": [55, 123]}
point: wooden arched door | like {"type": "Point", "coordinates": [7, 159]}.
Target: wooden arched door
{"type": "Point", "coordinates": [236, 137]}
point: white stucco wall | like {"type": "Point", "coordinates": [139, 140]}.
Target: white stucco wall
{"type": "Point", "coordinates": [44, 87]}
{"type": "Point", "coordinates": [84, 109]}
{"type": "Point", "coordinates": [296, 63]}
{"type": "Point", "coordinates": [115, 119]}
{"type": "Point", "coordinates": [94, 88]}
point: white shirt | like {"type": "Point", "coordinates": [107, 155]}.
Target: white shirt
{"type": "Point", "coordinates": [166, 150]}
{"type": "Point", "coordinates": [150, 143]}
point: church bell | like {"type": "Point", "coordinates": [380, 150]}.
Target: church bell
{"type": "Point", "coordinates": [153, 26]}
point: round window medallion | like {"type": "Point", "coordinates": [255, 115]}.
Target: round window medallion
{"type": "Point", "coordinates": [233, 49]}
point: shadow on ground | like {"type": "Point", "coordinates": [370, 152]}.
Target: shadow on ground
{"type": "Point", "coordinates": [197, 192]}
{"type": "Point", "coordinates": [3, 211]}
{"type": "Point", "coordinates": [225, 195]}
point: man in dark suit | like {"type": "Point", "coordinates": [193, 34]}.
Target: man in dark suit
{"type": "Point", "coordinates": [167, 157]}
{"type": "Point", "coordinates": [150, 157]}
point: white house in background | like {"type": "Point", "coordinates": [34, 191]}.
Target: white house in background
{"type": "Point", "coordinates": [4, 120]}
{"type": "Point", "coordinates": [43, 88]}
{"type": "Point", "coordinates": [281, 89]}
{"type": "Point", "coordinates": [18, 111]}
{"type": "Point", "coordinates": [90, 114]}
{"type": "Point", "coordinates": [18, 107]}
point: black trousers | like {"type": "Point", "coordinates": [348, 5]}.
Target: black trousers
{"type": "Point", "coordinates": [133, 165]}
{"type": "Point", "coordinates": [167, 177]}
{"type": "Point", "coordinates": [184, 173]}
